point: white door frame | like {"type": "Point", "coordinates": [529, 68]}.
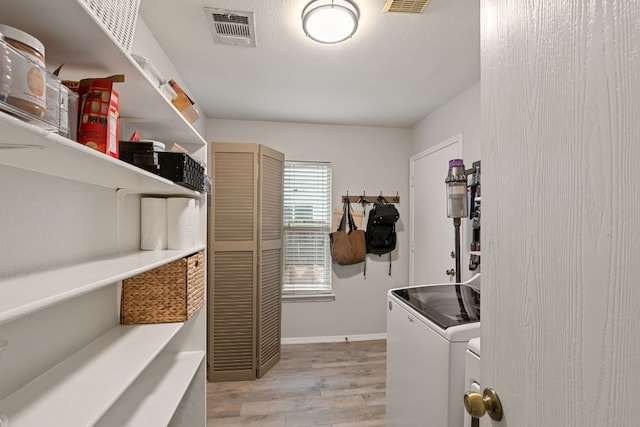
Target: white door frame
{"type": "Point", "coordinates": [412, 160]}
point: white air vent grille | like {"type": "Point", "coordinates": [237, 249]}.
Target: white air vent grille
{"type": "Point", "coordinates": [232, 27]}
{"type": "Point", "coordinates": [405, 6]}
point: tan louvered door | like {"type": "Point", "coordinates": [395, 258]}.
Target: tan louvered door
{"type": "Point", "coordinates": [270, 196]}
{"type": "Point", "coordinates": [232, 265]}
{"type": "Point", "coordinates": [245, 261]}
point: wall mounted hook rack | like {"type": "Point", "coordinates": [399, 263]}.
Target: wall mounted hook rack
{"type": "Point", "coordinates": [365, 200]}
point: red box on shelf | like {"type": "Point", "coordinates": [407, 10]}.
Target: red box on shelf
{"type": "Point", "coordinates": [98, 126]}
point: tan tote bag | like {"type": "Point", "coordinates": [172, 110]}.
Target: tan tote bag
{"type": "Point", "coordinates": [348, 248]}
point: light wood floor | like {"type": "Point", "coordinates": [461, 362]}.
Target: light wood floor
{"type": "Point", "coordinates": [319, 385]}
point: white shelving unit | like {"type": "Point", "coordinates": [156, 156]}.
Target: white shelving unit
{"type": "Point", "coordinates": [27, 147]}
{"type": "Point", "coordinates": [73, 37]}
{"type": "Point", "coordinates": [91, 370]}
{"type": "Point", "coordinates": [29, 293]}
{"type": "Point", "coordinates": [67, 393]}
{"type": "Point", "coordinates": [154, 397]}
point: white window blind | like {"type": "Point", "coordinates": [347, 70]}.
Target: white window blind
{"type": "Point", "coordinates": [307, 224]}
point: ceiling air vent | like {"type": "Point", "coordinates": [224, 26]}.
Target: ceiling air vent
{"type": "Point", "coordinates": [231, 27]}
{"type": "Point", "coordinates": [405, 6]}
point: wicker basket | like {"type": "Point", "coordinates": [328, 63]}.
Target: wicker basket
{"type": "Point", "coordinates": [173, 292]}
{"type": "Point", "coordinates": [118, 16]}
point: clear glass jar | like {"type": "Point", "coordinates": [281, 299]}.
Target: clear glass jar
{"type": "Point", "coordinates": [28, 81]}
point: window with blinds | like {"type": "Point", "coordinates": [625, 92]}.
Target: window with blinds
{"type": "Point", "coordinates": [307, 224]}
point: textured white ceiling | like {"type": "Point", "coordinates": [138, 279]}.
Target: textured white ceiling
{"type": "Point", "coordinates": [395, 70]}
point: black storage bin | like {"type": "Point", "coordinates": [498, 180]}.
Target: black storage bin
{"type": "Point", "coordinates": [138, 153]}
{"type": "Point", "coordinates": [181, 169]}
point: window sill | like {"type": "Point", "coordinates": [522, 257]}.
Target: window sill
{"type": "Point", "coordinates": [309, 298]}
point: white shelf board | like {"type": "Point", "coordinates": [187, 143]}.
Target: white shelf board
{"type": "Point", "coordinates": [26, 146]}
{"type": "Point", "coordinates": [26, 294]}
{"type": "Point", "coordinates": [87, 50]}
{"type": "Point", "coordinates": [79, 390]}
{"type": "Point", "coordinates": [154, 397]}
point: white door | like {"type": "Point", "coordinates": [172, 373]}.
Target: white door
{"type": "Point", "coordinates": [432, 233]}
{"type": "Point", "coordinates": [560, 244]}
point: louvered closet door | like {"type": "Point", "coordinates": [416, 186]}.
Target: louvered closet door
{"type": "Point", "coordinates": [245, 261]}
{"type": "Point", "coordinates": [270, 196]}
{"type": "Point", "coordinates": [232, 292]}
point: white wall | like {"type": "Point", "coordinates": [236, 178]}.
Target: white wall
{"type": "Point", "coordinates": [460, 115]}
{"type": "Point", "coordinates": [370, 159]}
{"type": "Point", "coordinates": [67, 221]}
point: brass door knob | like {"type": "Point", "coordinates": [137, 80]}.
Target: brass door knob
{"type": "Point", "coordinates": [488, 402]}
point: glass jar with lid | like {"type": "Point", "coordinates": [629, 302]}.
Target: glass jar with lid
{"type": "Point", "coordinates": [28, 80]}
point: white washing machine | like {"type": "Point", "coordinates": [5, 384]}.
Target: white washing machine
{"type": "Point", "coordinates": [428, 329]}
{"type": "Point", "coordinates": [472, 377]}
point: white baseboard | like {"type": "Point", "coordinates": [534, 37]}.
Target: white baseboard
{"type": "Point", "coordinates": [338, 338]}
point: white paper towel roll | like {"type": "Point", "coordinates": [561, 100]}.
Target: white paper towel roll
{"type": "Point", "coordinates": [182, 223]}
{"type": "Point", "coordinates": [153, 223]}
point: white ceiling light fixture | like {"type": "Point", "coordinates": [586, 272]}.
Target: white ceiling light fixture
{"type": "Point", "coordinates": [330, 21]}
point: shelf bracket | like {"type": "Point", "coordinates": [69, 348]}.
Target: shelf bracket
{"type": "Point", "coordinates": [121, 193]}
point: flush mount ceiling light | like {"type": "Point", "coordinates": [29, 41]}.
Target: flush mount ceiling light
{"type": "Point", "coordinates": [330, 21]}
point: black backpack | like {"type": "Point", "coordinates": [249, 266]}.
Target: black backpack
{"type": "Point", "coordinates": [381, 229]}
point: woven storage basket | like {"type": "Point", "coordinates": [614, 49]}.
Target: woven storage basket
{"type": "Point", "coordinates": [171, 293]}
